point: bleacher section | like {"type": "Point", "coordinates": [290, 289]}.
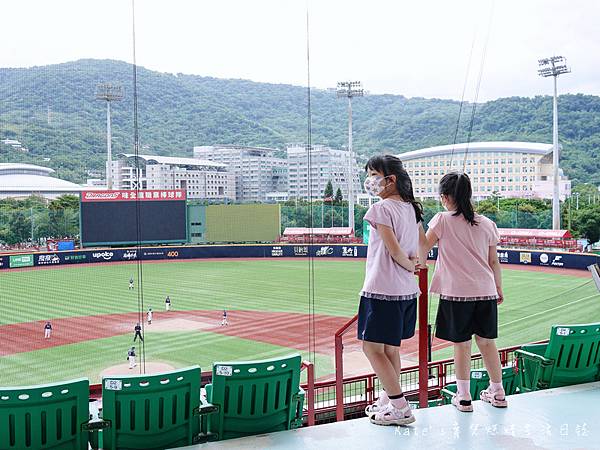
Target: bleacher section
{"type": "Point", "coordinates": [538, 239]}
{"type": "Point", "coordinates": [334, 235]}
{"type": "Point", "coordinates": [560, 418]}
{"type": "Point", "coordinates": [252, 398]}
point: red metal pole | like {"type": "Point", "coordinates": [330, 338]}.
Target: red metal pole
{"type": "Point", "coordinates": [310, 387]}
{"type": "Point", "coordinates": [339, 379]}
{"type": "Point", "coordinates": [339, 369]}
{"type": "Point", "coordinates": [423, 322]}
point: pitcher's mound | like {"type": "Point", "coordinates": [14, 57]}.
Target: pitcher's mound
{"type": "Point", "coordinates": [123, 369]}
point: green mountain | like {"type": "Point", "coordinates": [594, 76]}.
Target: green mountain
{"type": "Point", "coordinates": [178, 111]}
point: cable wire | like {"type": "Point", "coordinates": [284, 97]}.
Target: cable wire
{"type": "Point", "coordinates": [311, 269]}
{"type": "Point", "coordinates": [136, 149]}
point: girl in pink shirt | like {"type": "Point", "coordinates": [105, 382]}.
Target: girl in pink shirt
{"type": "Point", "coordinates": [468, 280]}
{"type": "Point", "coordinates": [388, 304]}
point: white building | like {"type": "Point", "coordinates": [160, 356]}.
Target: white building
{"type": "Point", "coordinates": [200, 178]}
{"type": "Point", "coordinates": [277, 197]}
{"type": "Point", "coordinates": [22, 180]}
{"type": "Point", "coordinates": [327, 164]}
{"type": "Point", "coordinates": [257, 170]}
{"type": "Point", "coordinates": [507, 169]}
{"type": "Point", "coordinates": [366, 200]}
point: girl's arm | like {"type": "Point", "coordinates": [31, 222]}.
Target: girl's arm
{"type": "Point", "coordinates": [424, 246]}
{"type": "Point", "coordinates": [495, 265]}
{"type": "Point", "coordinates": [394, 249]}
{"type": "Point", "coordinates": [428, 240]}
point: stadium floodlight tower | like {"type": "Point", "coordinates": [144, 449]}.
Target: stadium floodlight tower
{"type": "Point", "coordinates": [553, 67]}
{"type": "Point", "coordinates": [109, 93]}
{"type": "Point", "coordinates": [350, 89]}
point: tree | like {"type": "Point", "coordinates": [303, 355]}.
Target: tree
{"type": "Point", "coordinates": [328, 191]}
{"type": "Point", "coordinates": [338, 197]}
{"type": "Point", "coordinates": [65, 202]}
{"type": "Point", "coordinates": [587, 223]}
{"type": "Point", "coordinates": [19, 228]}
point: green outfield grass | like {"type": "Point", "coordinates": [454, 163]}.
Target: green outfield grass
{"type": "Point", "coordinates": [534, 301]}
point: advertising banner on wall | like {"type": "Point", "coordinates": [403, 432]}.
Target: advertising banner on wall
{"type": "Point", "coordinates": [17, 261]}
{"type": "Point", "coordinates": [348, 251]}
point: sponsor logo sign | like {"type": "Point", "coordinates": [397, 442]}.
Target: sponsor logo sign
{"type": "Point", "coordinates": [300, 250]}
{"type": "Point", "coordinates": [544, 259]}
{"type": "Point", "coordinates": [130, 254]}
{"type": "Point", "coordinates": [325, 251]}
{"type": "Point", "coordinates": [563, 331]}
{"type": "Point", "coordinates": [557, 261]}
{"type": "Point", "coordinates": [503, 257]}
{"type": "Point", "coordinates": [224, 371]}
{"type": "Point", "coordinates": [106, 256]}
{"type": "Point", "coordinates": [124, 195]}
{"type": "Point", "coordinates": [153, 253]}
{"type": "Point", "coordinates": [276, 251]}
{"type": "Point", "coordinates": [173, 254]}
{"type": "Point", "coordinates": [48, 259]}
{"type": "Point", "coordinates": [349, 251]}
{"type": "Point", "coordinates": [1, 262]}
{"type": "Point", "coordinates": [80, 257]}
{"type": "Point", "coordinates": [20, 261]}
{"type": "Point", "coordinates": [525, 258]}
{"type": "Point", "coordinates": [113, 385]}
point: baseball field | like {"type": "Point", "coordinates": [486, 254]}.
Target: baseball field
{"type": "Point", "coordinates": [93, 314]}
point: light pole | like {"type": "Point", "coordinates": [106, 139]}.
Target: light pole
{"type": "Point", "coordinates": [350, 89]}
{"type": "Point", "coordinates": [109, 93]}
{"type": "Point", "coordinates": [553, 67]}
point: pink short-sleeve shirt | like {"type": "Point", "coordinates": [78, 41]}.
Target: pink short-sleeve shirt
{"type": "Point", "coordinates": [462, 268]}
{"type": "Point", "coordinates": [384, 277]}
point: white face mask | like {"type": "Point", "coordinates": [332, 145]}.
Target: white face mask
{"type": "Point", "coordinates": [373, 185]}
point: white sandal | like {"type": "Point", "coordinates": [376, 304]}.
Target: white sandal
{"type": "Point", "coordinates": [376, 407]}
{"type": "Point", "coordinates": [390, 415]}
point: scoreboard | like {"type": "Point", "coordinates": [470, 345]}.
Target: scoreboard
{"type": "Point", "coordinates": [127, 217]}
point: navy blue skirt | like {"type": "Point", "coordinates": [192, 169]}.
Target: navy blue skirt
{"type": "Point", "coordinates": [385, 321]}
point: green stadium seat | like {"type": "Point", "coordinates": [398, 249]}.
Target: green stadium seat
{"type": "Point", "coordinates": [152, 412]}
{"type": "Point", "coordinates": [572, 356]}
{"type": "Point", "coordinates": [255, 397]}
{"type": "Point", "coordinates": [48, 416]}
{"type": "Point", "coordinates": [480, 380]}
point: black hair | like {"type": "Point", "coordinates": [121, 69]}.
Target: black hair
{"type": "Point", "coordinates": [457, 186]}
{"type": "Point", "coordinates": [391, 165]}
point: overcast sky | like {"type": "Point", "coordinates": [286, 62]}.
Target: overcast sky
{"type": "Point", "coordinates": [416, 48]}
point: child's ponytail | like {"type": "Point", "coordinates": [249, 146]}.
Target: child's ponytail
{"type": "Point", "coordinates": [457, 186]}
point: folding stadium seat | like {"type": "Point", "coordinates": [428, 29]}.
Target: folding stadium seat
{"type": "Point", "coordinates": [48, 416]}
{"type": "Point", "coordinates": [480, 380]}
{"type": "Point", "coordinates": [152, 411]}
{"type": "Point", "coordinates": [255, 397]}
{"type": "Point", "coordinates": [572, 356]}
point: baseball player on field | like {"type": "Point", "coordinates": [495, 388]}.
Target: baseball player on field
{"type": "Point", "coordinates": [224, 322]}
{"type": "Point", "coordinates": [168, 303]}
{"type": "Point", "coordinates": [131, 357]}
{"type": "Point", "coordinates": [131, 283]}
{"type": "Point", "coordinates": [138, 333]}
{"type": "Point", "coordinates": [47, 330]}
{"type": "Point", "coordinates": [149, 316]}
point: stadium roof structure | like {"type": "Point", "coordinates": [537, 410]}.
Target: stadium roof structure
{"type": "Point", "coordinates": [475, 147]}
{"type": "Point", "coordinates": [534, 233]}
{"type": "Point", "coordinates": [17, 179]}
{"type": "Point", "coordinates": [175, 161]}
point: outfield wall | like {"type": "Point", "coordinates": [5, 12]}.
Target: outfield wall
{"type": "Point", "coordinates": [522, 257]}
